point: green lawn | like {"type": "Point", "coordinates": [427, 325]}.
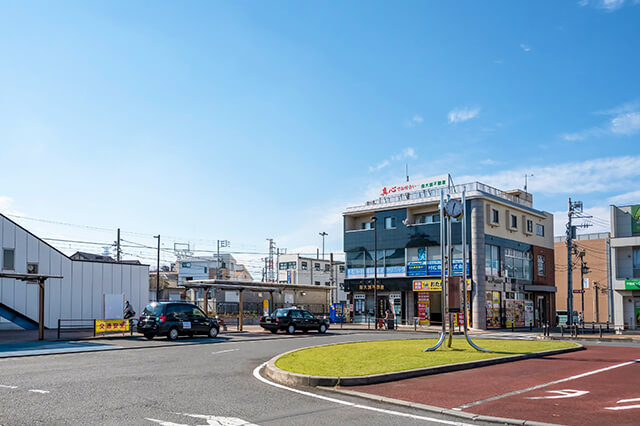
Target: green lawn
{"type": "Point", "coordinates": [364, 358]}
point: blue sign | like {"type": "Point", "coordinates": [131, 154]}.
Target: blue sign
{"type": "Point", "coordinates": [417, 269]}
{"type": "Point", "coordinates": [432, 268]}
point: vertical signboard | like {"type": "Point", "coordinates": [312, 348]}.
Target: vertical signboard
{"type": "Point", "coordinates": [635, 219]}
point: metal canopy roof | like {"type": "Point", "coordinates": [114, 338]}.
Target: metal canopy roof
{"type": "Point", "coordinates": [252, 285]}
{"type": "Point", "coordinates": [29, 277]}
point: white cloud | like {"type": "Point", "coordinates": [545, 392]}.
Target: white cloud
{"type": "Point", "coordinates": [462, 114]}
{"type": "Point", "coordinates": [417, 119]}
{"type": "Point", "coordinates": [625, 121]}
{"type": "Point", "coordinates": [626, 124]}
{"type": "Point", "coordinates": [489, 162]}
{"type": "Point", "coordinates": [607, 5]}
{"type": "Point", "coordinates": [525, 47]}
{"type": "Point", "coordinates": [583, 3]}
{"type": "Point", "coordinates": [585, 177]}
{"type": "Point", "coordinates": [379, 166]}
{"type": "Point", "coordinates": [632, 197]}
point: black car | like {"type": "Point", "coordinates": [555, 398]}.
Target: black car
{"type": "Point", "coordinates": [292, 319]}
{"type": "Point", "coordinates": [173, 319]}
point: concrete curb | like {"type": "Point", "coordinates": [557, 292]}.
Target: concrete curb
{"type": "Point", "coordinates": [590, 339]}
{"type": "Point", "coordinates": [436, 410]}
{"type": "Point", "coordinates": [295, 379]}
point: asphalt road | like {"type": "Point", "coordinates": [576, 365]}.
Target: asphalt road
{"type": "Point", "coordinates": [193, 382]}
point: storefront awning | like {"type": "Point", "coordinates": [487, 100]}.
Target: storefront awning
{"type": "Point", "coordinates": [540, 288]}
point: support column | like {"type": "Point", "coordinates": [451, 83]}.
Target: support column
{"type": "Point", "coordinates": [478, 303]}
{"type": "Point", "coordinates": [240, 311]}
{"type": "Point", "coordinates": [206, 301]}
{"type": "Point", "coordinates": [41, 310]}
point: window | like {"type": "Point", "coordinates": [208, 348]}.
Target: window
{"type": "Point", "coordinates": [367, 225]}
{"type": "Point", "coordinates": [540, 230]}
{"type": "Point", "coordinates": [205, 269]}
{"type": "Point", "coordinates": [428, 218]}
{"type": "Point", "coordinates": [389, 223]}
{"type": "Point", "coordinates": [530, 226]}
{"type": "Point", "coordinates": [327, 267]}
{"type": "Point", "coordinates": [492, 260]}
{"type": "Point", "coordinates": [287, 265]}
{"type": "Point", "coordinates": [186, 264]}
{"type": "Point", "coordinates": [514, 221]}
{"type": "Point", "coordinates": [8, 259]}
{"type": "Point", "coordinates": [517, 264]}
{"type": "Point", "coordinates": [540, 265]}
{"type": "Point", "coordinates": [317, 283]}
{"type": "Point", "coordinates": [282, 266]}
{"type": "Point", "coordinates": [303, 266]}
{"type": "Point", "coordinates": [636, 262]}
{"type": "Point", "coordinates": [326, 283]}
{"type": "Point", "coordinates": [316, 266]}
{"type": "Point", "coordinates": [341, 269]}
{"type": "Point", "coordinates": [495, 216]}
{"type": "Point", "coordinates": [307, 315]}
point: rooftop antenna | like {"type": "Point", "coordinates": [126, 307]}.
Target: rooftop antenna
{"type": "Point", "coordinates": [525, 180]}
{"type": "Point", "coordinates": [406, 170]}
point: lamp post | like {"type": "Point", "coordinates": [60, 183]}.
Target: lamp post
{"type": "Point", "coordinates": [323, 234]}
{"type": "Point", "coordinates": [158, 270]}
{"type": "Point", "coordinates": [375, 271]}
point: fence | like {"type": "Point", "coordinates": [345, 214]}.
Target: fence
{"type": "Point", "coordinates": [69, 325]}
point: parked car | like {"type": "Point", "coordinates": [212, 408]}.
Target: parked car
{"type": "Point", "coordinates": [292, 319]}
{"type": "Point", "coordinates": [173, 319]}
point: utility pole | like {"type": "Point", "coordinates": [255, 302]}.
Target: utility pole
{"type": "Point", "coordinates": [118, 252]}
{"type": "Point", "coordinates": [323, 234]}
{"type": "Point", "coordinates": [221, 243]}
{"type": "Point", "coordinates": [596, 307]}
{"type": "Point", "coordinates": [583, 270]}
{"type": "Point", "coordinates": [575, 209]}
{"type": "Point", "coordinates": [158, 270]}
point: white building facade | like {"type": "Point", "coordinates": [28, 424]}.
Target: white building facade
{"type": "Point", "coordinates": [296, 269]}
{"type": "Point", "coordinates": [625, 265]}
{"type": "Point", "coordinates": [88, 289]}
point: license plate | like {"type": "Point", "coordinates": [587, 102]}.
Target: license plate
{"type": "Point", "coordinates": [186, 325]}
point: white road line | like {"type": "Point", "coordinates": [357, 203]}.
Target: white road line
{"type": "Point", "coordinates": [38, 391]}
{"type": "Point", "coordinates": [625, 407]}
{"type": "Point", "coordinates": [221, 352]}
{"type": "Point", "coordinates": [256, 374]}
{"type": "Point", "coordinates": [555, 382]}
{"type": "Point", "coordinates": [8, 387]}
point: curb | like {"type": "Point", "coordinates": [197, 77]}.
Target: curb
{"type": "Point", "coordinates": [436, 410]}
{"type": "Point", "coordinates": [297, 379]}
{"type": "Point", "coordinates": [590, 339]}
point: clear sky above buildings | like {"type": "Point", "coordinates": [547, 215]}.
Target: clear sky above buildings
{"type": "Point", "coordinates": [252, 120]}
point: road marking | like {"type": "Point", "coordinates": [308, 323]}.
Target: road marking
{"type": "Point", "coordinates": [221, 352]}
{"type": "Point", "coordinates": [256, 374]}
{"type": "Point", "coordinates": [8, 387]}
{"type": "Point", "coordinates": [211, 420]}
{"type": "Point", "coordinates": [565, 393]}
{"type": "Point", "coordinates": [38, 391]}
{"type": "Point", "coordinates": [625, 407]}
{"type": "Point", "coordinates": [555, 382]}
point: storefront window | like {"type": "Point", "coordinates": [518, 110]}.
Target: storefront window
{"type": "Point", "coordinates": [394, 257]}
{"type": "Point", "coordinates": [433, 253]}
{"type": "Point", "coordinates": [517, 263]}
{"type": "Point", "coordinates": [415, 254]}
{"type": "Point", "coordinates": [636, 262]}
{"type": "Point", "coordinates": [355, 259]}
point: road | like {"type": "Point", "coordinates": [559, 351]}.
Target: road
{"type": "Point", "coordinates": [167, 383]}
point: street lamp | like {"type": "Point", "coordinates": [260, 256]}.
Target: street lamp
{"type": "Point", "coordinates": [323, 234]}
{"type": "Point", "coordinates": [158, 270]}
{"type": "Point", "coordinates": [525, 180]}
{"type": "Point", "coordinates": [375, 271]}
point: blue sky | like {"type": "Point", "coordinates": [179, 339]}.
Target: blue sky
{"type": "Point", "coordinates": [254, 120]}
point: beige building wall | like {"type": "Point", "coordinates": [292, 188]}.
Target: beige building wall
{"type": "Point", "coordinates": [503, 229]}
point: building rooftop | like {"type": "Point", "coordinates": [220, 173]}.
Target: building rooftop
{"type": "Point", "coordinates": [423, 196]}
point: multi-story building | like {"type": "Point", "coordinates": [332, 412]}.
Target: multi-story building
{"type": "Point", "coordinates": [594, 302]}
{"type": "Point", "coordinates": [296, 269]}
{"type": "Point", "coordinates": [625, 265]}
{"type": "Point", "coordinates": [204, 268]}
{"type": "Point", "coordinates": [509, 246]}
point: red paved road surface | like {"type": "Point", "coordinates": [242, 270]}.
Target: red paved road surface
{"type": "Point", "coordinates": [605, 389]}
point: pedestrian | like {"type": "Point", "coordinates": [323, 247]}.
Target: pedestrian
{"type": "Point", "coordinates": [128, 311]}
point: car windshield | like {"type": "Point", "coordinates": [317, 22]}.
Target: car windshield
{"type": "Point", "coordinates": [153, 310]}
{"type": "Point", "coordinates": [280, 313]}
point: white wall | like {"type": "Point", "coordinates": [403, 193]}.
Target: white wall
{"type": "Point", "coordinates": [79, 294]}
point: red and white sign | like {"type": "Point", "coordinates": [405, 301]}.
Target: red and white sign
{"type": "Point", "coordinates": [428, 183]}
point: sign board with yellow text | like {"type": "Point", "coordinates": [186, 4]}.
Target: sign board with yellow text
{"type": "Point", "coordinates": [110, 325]}
{"type": "Point", "coordinates": [432, 285]}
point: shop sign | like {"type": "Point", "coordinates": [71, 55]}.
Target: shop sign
{"type": "Point", "coordinates": [428, 183]}
{"type": "Point", "coordinates": [432, 285]}
{"type": "Point", "coordinates": [635, 219]}
{"type": "Point", "coordinates": [632, 284]}
{"type": "Point", "coordinates": [363, 287]}
{"type": "Point", "coordinates": [106, 326]}
{"type": "Point", "coordinates": [395, 296]}
{"type": "Point", "coordinates": [432, 268]}
{"type": "Point", "coordinates": [359, 296]}
{"type": "Point", "coordinates": [389, 271]}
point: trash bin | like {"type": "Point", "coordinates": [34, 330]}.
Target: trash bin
{"type": "Point", "coordinates": [390, 324]}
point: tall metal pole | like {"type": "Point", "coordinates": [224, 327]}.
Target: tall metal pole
{"type": "Point", "coordinates": [442, 270]}
{"type": "Point", "coordinates": [449, 274]}
{"type": "Point", "coordinates": [218, 263]}
{"type": "Point", "coordinates": [375, 271]}
{"type": "Point", "coordinates": [569, 268]}
{"type": "Point", "coordinates": [118, 257]}
{"type": "Point", "coordinates": [323, 234]}
{"type": "Point", "coordinates": [158, 270]}
{"type": "Point", "coordinates": [582, 282]}
{"type": "Point", "coordinates": [331, 277]}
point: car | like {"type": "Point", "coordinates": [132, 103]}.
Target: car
{"type": "Point", "coordinates": [292, 319]}
{"type": "Point", "coordinates": [173, 319]}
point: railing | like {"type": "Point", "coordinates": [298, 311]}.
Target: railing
{"type": "Point", "coordinates": [66, 325]}
{"type": "Point", "coordinates": [435, 193]}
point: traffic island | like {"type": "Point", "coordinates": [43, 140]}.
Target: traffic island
{"type": "Point", "coordinates": [364, 363]}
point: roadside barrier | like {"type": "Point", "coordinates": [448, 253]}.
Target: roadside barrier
{"type": "Point", "coordinates": [68, 325]}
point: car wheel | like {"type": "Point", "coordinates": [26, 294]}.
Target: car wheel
{"type": "Point", "coordinates": [213, 332]}
{"type": "Point", "coordinates": [291, 329]}
{"type": "Point", "coordinates": [148, 335]}
{"type": "Point", "coordinates": [172, 334]}
{"type": "Point", "coordinates": [273, 331]}
{"type": "Point", "coordinates": [322, 329]}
